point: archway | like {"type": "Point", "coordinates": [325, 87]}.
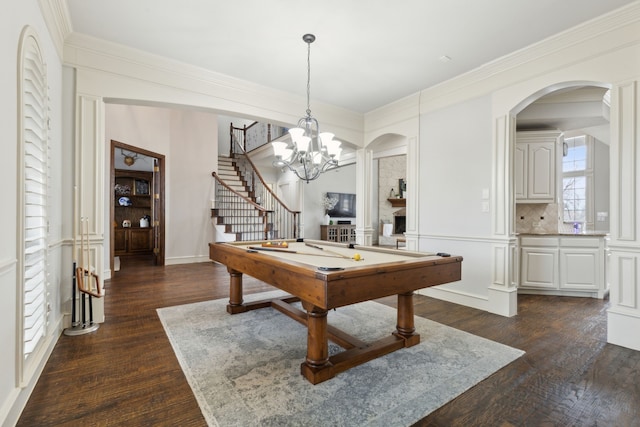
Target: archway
{"type": "Point", "coordinates": [569, 109]}
{"type": "Point", "coordinates": [388, 157]}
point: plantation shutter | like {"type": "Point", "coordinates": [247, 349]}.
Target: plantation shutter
{"type": "Point", "coordinates": [34, 154]}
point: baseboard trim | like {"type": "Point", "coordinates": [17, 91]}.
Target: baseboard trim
{"type": "Point", "coordinates": [619, 327]}
{"type": "Point", "coordinates": [186, 260]}
{"type": "Point", "coordinates": [456, 297]}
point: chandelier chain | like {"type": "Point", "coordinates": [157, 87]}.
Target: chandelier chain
{"type": "Point", "coordinates": [308, 79]}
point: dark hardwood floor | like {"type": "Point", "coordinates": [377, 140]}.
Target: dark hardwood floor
{"type": "Point", "coordinates": [127, 374]}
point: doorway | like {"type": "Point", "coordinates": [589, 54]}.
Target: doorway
{"type": "Point", "coordinates": [572, 124]}
{"type": "Point", "coordinates": [137, 225]}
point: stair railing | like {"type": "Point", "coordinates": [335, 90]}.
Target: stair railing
{"type": "Point", "coordinates": [232, 210]}
{"type": "Point", "coordinates": [286, 221]}
{"type": "Point", "coordinates": [253, 136]}
{"type": "Point", "coordinates": [241, 135]}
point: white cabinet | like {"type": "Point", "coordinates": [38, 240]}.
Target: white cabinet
{"type": "Point", "coordinates": [563, 265]}
{"type": "Point", "coordinates": [582, 264]}
{"type": "Point", "coordinates": [535, 166]}
{"type": "Point", "coordinates": [539, 263]}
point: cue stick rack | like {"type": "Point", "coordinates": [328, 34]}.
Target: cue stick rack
{"type": "Point", "coordinates": [87, 283]}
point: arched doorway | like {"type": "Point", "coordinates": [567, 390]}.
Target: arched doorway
{"type": "Point", "coordinates": [388, 170]}
{"type": "Point", "coordinates": [574, 111]}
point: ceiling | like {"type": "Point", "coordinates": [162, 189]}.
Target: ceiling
{"type": "Point", "coordinates": [582, 109]}
{"type": "Point", "coordinates": [367, 52]}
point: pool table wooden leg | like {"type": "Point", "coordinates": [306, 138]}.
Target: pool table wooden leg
{"type": "Point", "coordinates": [316, 367]}
{"type": "Point", "coordinates": [235, 292]}
{"type": "Point", "coordinates": [405, 328]}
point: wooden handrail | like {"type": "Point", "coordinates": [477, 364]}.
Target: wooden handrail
{"type": "Point", "coordinates": [246, 199]}
{"type": "Point", "coordinates": [253, 166]}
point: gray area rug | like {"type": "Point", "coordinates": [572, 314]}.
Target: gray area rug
{"type": "Point", "coordinates": [245, 369]}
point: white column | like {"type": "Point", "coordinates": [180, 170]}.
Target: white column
{"type": "Point", "coordinates": [364, 171]}
{"type": "Point", "coordinates": [89, 183]}
{"type": "Point", "coordinates": [503, 292]}
{"type": "Point", "coordinates": [623, 316]}
{"type": "Point", "coordinates": [413, 190]}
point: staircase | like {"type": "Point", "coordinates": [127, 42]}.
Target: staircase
{"type": "Point", "coordinates": [236, 215]}
{"type": "Point", "coordinates": [246, 208]}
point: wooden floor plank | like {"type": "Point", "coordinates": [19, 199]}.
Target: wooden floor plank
{"type": "Point", "coordinates": [127, 374]}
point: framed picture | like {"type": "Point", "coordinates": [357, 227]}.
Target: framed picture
{"type": "Point", "coordinates": [142, 187]}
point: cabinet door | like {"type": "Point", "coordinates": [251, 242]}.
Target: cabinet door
{"type": "Point", "coordinates": [539, 268]}
{"type": "Point", "coordinates": [520, 171]}
{"type": "Point", "coordinates": [541, 171]}
{"type": "Point", "coordinates": [140, 240]}
{"type": "Point", "coordinates": [345, 234]}
{"type": "Point", "coordinates": [580, 268]}
{"type": "Point", "coordinates": [332, 233]}
{"type": "Point", "coordinates": [120, 241]}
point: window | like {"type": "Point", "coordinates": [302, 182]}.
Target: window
{"type": "Point", "coordinates": [33, 190]}
{"type": "Point", "coordinates": [577, 175]}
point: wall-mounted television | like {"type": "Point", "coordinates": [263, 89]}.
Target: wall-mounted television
{"type": "Point", "coordinates": [346, 206]}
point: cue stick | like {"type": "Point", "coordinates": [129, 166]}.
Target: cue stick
{"type": "Point", "coordinates": [261, 248]}
{"type": "Point", "coordinates": [327, 250]}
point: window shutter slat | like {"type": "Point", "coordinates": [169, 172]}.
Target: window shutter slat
{"type": "Point", "coordinates": [34, 115]}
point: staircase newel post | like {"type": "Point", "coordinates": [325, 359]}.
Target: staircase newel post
{"type": "Point", "coordinates": [244, 139]}
{"type": "Point", "coordinates": [231, 140]}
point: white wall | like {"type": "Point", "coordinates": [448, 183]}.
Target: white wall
{"type": "Point", "coordinates": [12, 22]}
{"type": "Point", "coordinates": [188, 140]}
{"type": "Point", "coordinates": [455, 159]}
{"type": "Point", "coordinates": [455, 169]}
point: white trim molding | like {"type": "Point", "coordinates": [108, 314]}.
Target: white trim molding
{"type": "Point", "coordinates": [623, 315]}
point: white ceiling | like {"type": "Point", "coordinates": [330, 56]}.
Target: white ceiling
{"type": "Point", "coordinates": [576, 110]}
{"type": "Point", "coordinates": [367, 53]}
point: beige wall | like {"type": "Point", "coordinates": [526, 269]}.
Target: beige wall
{"type": "Point", "coordinates": [188, 140]}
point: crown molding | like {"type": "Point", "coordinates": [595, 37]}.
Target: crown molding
{"type": "Point", "coordinates": [615, 30]}
{"type": "Point", "coordinates": [585, 38]}
{"type": "Point", "coordinates": [400, 117]}
{"type": "Point", "coordinates": [56, 16]}
{"type": "Point", "coordinates": [249, 99]}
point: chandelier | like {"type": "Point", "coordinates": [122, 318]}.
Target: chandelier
{"type": "Point", "coordinates": [310, 152]}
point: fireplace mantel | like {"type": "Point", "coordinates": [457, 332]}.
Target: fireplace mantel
{"type": "Point", "coordinates": [398, 203]}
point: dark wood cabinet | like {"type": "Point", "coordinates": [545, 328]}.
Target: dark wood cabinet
{"type": "Point", "coordinates": [120, 241]}
{"type": "Point", "coordinates": [132, 241]}
{"type": "Point", "coordinates": [133, 201]}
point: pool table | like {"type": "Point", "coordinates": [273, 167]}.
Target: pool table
{"type": "Point", "coordinates": [324, 275]}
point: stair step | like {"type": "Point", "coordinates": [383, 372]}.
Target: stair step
{"type": "Point", "coordinates": [230, 220]}
{"type": "Point", "coordinates": [230, 215]}
{"type": "Point", "coordinates": [233, 203]}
